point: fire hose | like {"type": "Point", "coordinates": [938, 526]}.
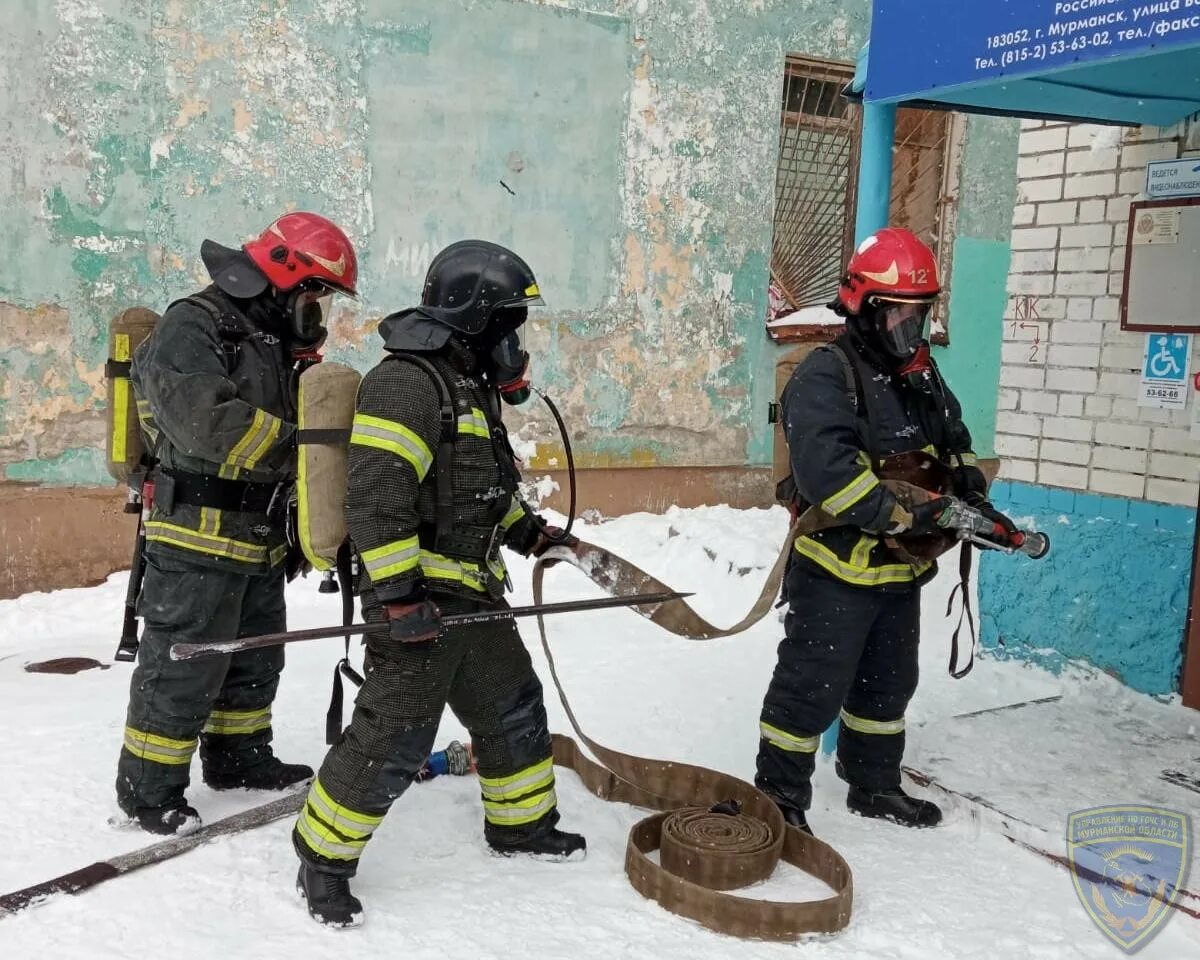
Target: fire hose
{"type": "Point", "coordinates": [715, 833]}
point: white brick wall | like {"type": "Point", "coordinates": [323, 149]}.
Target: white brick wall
{"type": "Point", "coordinates": [1068, 413]}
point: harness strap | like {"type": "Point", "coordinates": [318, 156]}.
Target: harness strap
{"type": "Point", "coordinates": [230, 329]}
{"type": "Point", "coordinates": [443, 461]}
{"type": "Point", "coordinates": [861, 399]}
{"type": "Point", "coordinates": [963, 589]}
{"type": "Point", "coordinates": [329, 436]}
{"type": "Point", "coordinates": [334, 715]}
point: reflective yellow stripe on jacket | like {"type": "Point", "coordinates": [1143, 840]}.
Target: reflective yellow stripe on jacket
{"type": "Point", "coordinates": [857, 570]}
{"type": "Point", "coordinates": [854, 491]}
{"type": "Point", "coordinates": [402, 556]}
{"type": "Point", "coordinates": [172, 534]}
{"type": "Point", "coordinates": [146, 418]}
{"type": "Point", "coordinates": [437, 567]}
{"type": "Point", "coordinates": [392, 559]}
{"type": "Point", "coordinates": [392, 437]}
{"type": "Point", "coordinates": [474, 424]}
{"type": "Point", "coordinates": [253, 445]}
{"type": "Point", "coordinates": [515, 513]}
{"type": "Point", "coordinates": [851, 493]}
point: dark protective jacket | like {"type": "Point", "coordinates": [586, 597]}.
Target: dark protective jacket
{"type": "Point", "coordinates": [828, 425]}
{"type": "Point", "coordinates": [217, 398]}
{"type": "Point", "coordinates": [392, 499]}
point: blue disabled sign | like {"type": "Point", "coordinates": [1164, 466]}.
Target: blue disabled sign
{"type": "Point", "coordinates": [923, 47]}
{"type": "Point", "coordinates": [1165, 370]}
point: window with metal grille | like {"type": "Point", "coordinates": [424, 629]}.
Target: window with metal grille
{"type": "Point", "coordinates": [814, 186]}
{"type": "Point", "coordinates": [816, 191]}
{"type": "Point", "coordinates": [925, 191]}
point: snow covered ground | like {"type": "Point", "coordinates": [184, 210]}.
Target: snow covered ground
{"type": "Point", "coordinates": [431, 890]}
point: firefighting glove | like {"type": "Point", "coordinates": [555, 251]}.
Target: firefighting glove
{"type": "Point", "coordinates": [413, 622]}
{"type": "Point", "coordinates": [920, 518]}
{"type": "Point", "coordinates": [969, 483]}
{"type": "Point", "coordinates": [985, 507]}
{"type": "Point", "coordinates": [551, 538]}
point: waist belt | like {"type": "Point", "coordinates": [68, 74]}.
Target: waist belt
{"type": "Point", "coordinates": [462, 541]}
{"type": "Point", "coordinates": [242, 496]}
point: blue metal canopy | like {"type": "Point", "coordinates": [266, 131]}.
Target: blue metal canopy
{"type": "Point", "coordinates": [1107, 61]}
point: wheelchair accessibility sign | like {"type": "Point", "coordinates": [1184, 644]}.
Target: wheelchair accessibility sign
{"type": "Point", "coordinates": [1165, 367]}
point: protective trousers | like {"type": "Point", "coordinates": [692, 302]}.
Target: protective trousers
{"type": "Point", "coordinates": [221, 703]}
{"type": "Point", "coordinates": [484, 673]}
{"type": "Point", "coordinates": [848, 649]}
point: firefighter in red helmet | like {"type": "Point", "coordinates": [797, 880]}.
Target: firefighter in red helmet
{"type": "Point", "coordinates": [215, 386]}
{"type": "Point", "coordinates": [851, 409]}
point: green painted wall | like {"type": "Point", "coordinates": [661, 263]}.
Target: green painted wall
{"type": "Point", "coordinates": [627, 148]}
{"type": "Point", "coordinates": [978, 288]}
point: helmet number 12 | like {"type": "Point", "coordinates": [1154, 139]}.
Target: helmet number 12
{"type": "Point", "coordinates": [918, 276]}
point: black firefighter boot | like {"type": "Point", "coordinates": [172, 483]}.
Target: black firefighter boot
{"type": "Point", "coordinates": [895, 805]}
{"type": "Point", "coordinates": [167, 820]}
{"type": "Point", "coordinates": [270, 774]}
{"type": "Point", "coordinates": [328, 896]}
{"type": "Point", "coordinates": [795, 817]}
{"type": "Point", "coordinates": [540, 839]}
{"type": "Point", "coordinates": [230, 764]}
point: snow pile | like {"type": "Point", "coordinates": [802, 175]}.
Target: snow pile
{"type": "Point", "coordinates": [430, 889]}
{"type": "Point", "coordinates": [807, 317]}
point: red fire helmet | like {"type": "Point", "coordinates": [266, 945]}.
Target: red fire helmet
{"type": "Point", "coordinates": [891, 264]}
{"type": "Point", "coordinates": [305, 246]}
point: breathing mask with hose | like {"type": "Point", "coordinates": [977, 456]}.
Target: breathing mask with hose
{"type": "Point", "coordinates": [507, 367]}
{"type": "Point", "coordinates": [307, 309]}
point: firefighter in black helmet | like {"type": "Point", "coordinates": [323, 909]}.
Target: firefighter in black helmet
{"type": "Point", "coordinates": [431, 497]}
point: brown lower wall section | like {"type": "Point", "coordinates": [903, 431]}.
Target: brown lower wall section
{"type": "Point", "coordinates": [618, 491]}
{"type": "Point", "coordinates": [56, 537]}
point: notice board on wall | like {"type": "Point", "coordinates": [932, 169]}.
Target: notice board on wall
{"type": "Point", "coordinates": [1161, 291]}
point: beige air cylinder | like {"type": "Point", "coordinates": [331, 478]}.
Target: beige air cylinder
{"type": "Point", "coordinates": [328, 392]}
{"type": "Point", "coordinates": [125, 445]}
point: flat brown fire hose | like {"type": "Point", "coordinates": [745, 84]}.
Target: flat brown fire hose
{"type": "Point", "coordinates": [715, 833]}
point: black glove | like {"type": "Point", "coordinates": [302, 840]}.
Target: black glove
{"type": "Point", "coordinates": [970, 483]}
{"type": "Point", "coordinates": [410, 622]}
{"type": "Point", "coordinates": [551, 538]}
{"type": "Point", "coordinates": [996, 517]}
{"type": "Point", "coordinates": [920, 518]}
{"type": "Point", "coordinates": [925, 517]}
{"type": "Point", "coordinates": [295, 563]}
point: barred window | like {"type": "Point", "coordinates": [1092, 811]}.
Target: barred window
{"type": "Point", "coordinates": [816, 191]}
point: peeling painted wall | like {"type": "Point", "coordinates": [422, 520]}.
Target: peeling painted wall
{"type": "Point", "coordinates": [627, 148]}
